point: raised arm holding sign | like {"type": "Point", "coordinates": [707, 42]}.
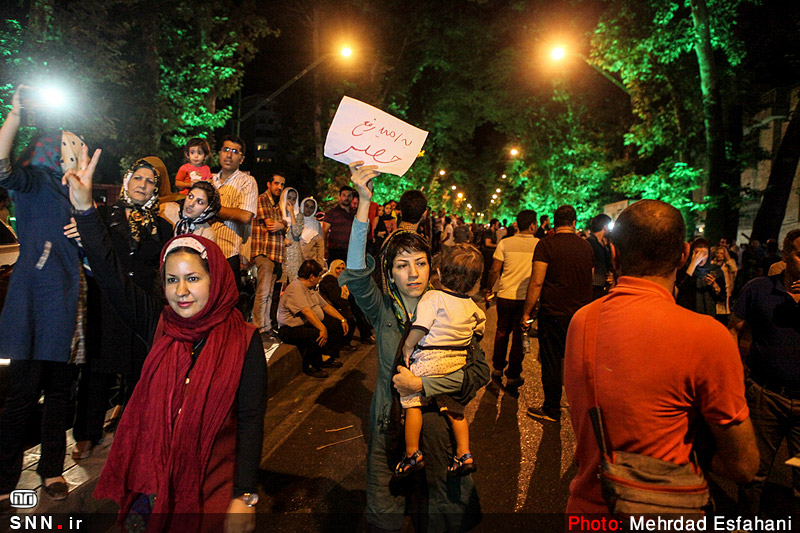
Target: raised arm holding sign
{"type": "Point", "coordinates": [360, 132]}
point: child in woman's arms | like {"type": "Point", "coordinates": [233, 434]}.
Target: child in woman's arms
{"type": "Point", "coordinates": [446, 321]}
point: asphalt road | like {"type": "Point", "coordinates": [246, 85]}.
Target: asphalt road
{"type": "Point", "coordinates": [313, 469]}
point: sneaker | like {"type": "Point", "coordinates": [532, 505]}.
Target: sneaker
{"type": "Point", "coordinates": [538, 413]}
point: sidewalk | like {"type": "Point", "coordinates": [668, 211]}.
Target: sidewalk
{"type": "Point", "coordinates": [284, 363]}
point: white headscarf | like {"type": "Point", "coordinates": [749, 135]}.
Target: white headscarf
{"type": "Point", "coordinates": [282, 203]}
{"type": "Point", "coordinates": [311, 227]}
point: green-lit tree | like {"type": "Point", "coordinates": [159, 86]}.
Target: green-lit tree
{"type": "Point", "coordinates": [674, 57]}
{"type": "Point", "coordinates": [143, 76]}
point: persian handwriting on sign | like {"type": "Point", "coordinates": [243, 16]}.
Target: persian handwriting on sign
{"type": "Point", "coordinates": [360, 132]}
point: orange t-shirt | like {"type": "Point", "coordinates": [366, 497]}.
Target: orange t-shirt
{"type": "Point", "coordinates": [659, 367]}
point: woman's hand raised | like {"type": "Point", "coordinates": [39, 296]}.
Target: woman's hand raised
{"type": "Point", "coordinates": [362, 176]}
{"type": "Point", "coordinates": [80, 181]}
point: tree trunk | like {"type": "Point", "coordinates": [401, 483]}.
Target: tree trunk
{"type": "Point", "coordinates": [719, 183]}
{"type": "Point", "coordinates": [769, 217]}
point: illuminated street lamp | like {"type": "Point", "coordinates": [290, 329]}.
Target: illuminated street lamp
{"type": "Point", "coordinates": [344, 52]}
{"type": "Point", "coordinates": [514, 152]}
{"type": "Point", "coordinates": [453, 187]}
{"type": "Point", "coordinates": [442, 172]}
{"type": "Point", "coordinates": [494, 197]}
{"type": "Point", "coordinates": [558, 53]}
{"type": "Point", "coordinates": [497, 190]}
{"type": "Point", "coordinates": [469, 206]}
{"type": "Point", "coordinates": [460, 195]}
{"type": "Point", "coordinates": [504, 176]}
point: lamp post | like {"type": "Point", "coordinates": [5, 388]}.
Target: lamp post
{"type": "Point", "coordinates": [345, 52]}
{"type": "Point", "coordinates": [558, 53]}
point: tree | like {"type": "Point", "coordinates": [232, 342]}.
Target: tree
{"type": "Point", "coordinates": [140, 85]}
{"type": "Point", "coordinates": [767, 224]}
{"type": "Point", "coordinates": [649, 44]}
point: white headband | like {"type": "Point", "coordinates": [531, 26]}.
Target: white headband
{"type": "Point", "coordinates": [188, 242]}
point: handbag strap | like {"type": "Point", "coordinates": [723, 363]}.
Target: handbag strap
{"type": "Point", "coordinates": [590, 372]}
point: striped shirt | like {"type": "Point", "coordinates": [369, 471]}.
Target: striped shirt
{"type": "Point", "coordinates": [265, 242]}
{"type": "Point", "coordinates": [239, 191]}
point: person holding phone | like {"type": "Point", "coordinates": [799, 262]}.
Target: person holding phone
{"type": "Point", "coordinates": [700, 284]}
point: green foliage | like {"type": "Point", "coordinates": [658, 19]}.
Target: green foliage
{"type": "Point", "coordinates": [141, 84]}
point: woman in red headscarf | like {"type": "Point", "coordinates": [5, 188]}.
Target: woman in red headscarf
{"type": "Point", "coordinates": [189, 442]}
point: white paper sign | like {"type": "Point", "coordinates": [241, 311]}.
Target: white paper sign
{"type": "Point", "coordinates": [360, 132]}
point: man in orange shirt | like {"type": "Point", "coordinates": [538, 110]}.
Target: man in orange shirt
{"type": "Point", "coordinates": [659, 367]}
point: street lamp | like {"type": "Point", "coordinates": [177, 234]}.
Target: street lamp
{"type": "Point", "coordinates": [497, 190]}
{"type": "Point", "coordinates": [345, 52]}
{"type": "Point", "coordinates": [460, 195]}
{"type": "Point", "coordinates": [558, 53]}
{"type": "Point", "coordinates": [514, 152]}
{"type": "Point", "coordinates": [442, 172]}
{"type": "Point", "coordinates": [453, 187]}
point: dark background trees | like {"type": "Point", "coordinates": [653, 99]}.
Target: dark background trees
{"type": "Point", "coordinates": [475, 73]}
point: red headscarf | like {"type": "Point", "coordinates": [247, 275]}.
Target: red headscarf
{"type": "Point", "coordinates": [164, 440]}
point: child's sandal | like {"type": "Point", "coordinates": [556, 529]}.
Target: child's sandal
{"type": "Point", "coordinates": [460, 467]}
{"type": "Point", "coordinates": [409, 464]}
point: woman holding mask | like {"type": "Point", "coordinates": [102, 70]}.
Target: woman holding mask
{"type": "Point", "coordinates": [189, 443]}
{"type": "Point", "coordinates": [447, 503]}
{"type": "Point", "coordinates": [137, 234]}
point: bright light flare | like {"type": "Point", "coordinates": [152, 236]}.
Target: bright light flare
{"type": "Point", "coordinates": [514, 152]}
{"type": "Point", "coordinates": [442, 172]}
{"type": "Point", "coordinates": [52, 97]}
{"type": "Point", "coordinates": [497, 191]}
{"type": "Point", "coordinates": [469, 206]}
{"type": "Point", "coordinates": [460, 195]}
{"type": "Point", "coordinates": [453, 187]}
{"type": "Point", "coordinates": [504, 176]}
{"type": "Point", "coordinates": [610, 225]}
{"type": "Point", "coordinates": [494, 197]}
{"type": "Point", "coordinates": [347, 51]}
{"type": "Point", "coordinates": [558, 53]}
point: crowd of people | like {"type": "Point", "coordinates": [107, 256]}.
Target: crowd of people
{"type": "Point", "coordinates": [147, 298]}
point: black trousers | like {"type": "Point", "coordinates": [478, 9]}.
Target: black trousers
{"type": "Point", "coordinates": [364, 329]}
{"type": "Point", "coordinates": [27, 380]}
{"type": "Point", "coordinates": [509, 314]}
{"type": "Point", "coordinates": [552, 344]}
{"type": "Point", "coordinates": [96, 390]}
{"type": "Point", "coordinates": [305, 338]}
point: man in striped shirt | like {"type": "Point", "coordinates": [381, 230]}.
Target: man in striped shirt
{"type": "Point", "coordinates": [239, 195]}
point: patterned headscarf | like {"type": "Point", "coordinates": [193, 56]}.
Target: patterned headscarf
{"type": "Point", "coordinates": [142, 220]}
{"type": "Point", "coordinates": [44, 152]}
{"type": "Point", "coordinates": [188, 225]}
{"type": "Point", "coordinates": [400, 311]}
